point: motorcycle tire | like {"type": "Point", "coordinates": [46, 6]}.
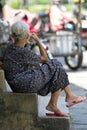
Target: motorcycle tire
{"type": "Point", "coordinates": [75, 61]}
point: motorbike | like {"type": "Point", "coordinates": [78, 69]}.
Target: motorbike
{"type": "Point", "coordinates": [65, 41]}
{"type": "Point", "coordinates": [55, 43]}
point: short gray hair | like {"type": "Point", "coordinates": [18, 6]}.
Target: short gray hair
{"type": "Point", "coordinates": [19, 30]}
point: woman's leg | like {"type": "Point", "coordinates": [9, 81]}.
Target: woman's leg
{"type": "Point", "coordinates": [70, 96]}
{"type": "Point", "coordinates": [52, 105]}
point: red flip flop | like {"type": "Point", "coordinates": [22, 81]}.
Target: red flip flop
{"type": "Point", "coordinates": [60, 114]}
{"type": "Point", "coordinates": [78, 100]}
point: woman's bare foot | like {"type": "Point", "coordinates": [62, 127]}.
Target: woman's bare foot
{"type": "Point", "coordinates": [74, 101]}
{"type": "Point", "coordinates": [57, 112]}
{"type": "Point", "coordinates": [71, 98]}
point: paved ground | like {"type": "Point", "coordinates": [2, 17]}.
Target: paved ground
{"type": "Point", "coordinates": [79, 112]}
{"type": "Point", "coordinates": [78, 81]}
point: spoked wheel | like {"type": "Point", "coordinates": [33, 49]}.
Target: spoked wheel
{"type": "Point", "coordinates": [75, 61]}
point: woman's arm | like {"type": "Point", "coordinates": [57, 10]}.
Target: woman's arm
{"type": "Point", "coordinates": [44, 57]}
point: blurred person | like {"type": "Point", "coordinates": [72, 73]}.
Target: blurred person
{"type": "Point", "coordinates": [27, 72]}
{"type": "Point", "coordinates": [58, 17]}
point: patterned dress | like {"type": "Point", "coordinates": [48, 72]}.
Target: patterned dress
{"type": "Point", "coordinates": [25, 74]}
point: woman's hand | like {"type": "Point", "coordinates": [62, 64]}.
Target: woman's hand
{"type": "Point", "coordinates": [44, 57]}
{"type": "Point", "coordinates": [35, 37]}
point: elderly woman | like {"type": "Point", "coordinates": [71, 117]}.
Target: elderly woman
{"type": "Point", "coordinates": [24, 72]}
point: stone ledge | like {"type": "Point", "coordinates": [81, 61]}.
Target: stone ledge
{"type": "Point", "coordinates": [19, 102]}
{"type": "Point", "coordinates": [19, 111]}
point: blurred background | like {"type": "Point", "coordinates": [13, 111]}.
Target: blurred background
{"type": "Point", "coordinates": [66, 41]}
{"type": "Point", "coordinates": [39, 5]}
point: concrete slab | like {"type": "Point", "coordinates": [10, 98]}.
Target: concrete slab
{"type": "Point", "coordinates": [52, 123]}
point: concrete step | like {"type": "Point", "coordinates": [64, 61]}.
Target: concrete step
{"type": "Point", "coordinates": [18, 111]}
{"type": "Point", "coordinates": [52, 123]}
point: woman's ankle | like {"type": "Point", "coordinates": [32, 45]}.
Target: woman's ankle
{"type": "Point", "coordinates": [52, 108]}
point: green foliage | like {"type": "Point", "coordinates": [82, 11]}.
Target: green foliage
{"type": "Point", "coordinates": [42, 1]}
{"type": "Point", "coordinates": [15, 4]}
{"type": "Point", "coordinates": [65, 1]}
{"type": "Point", "coordinates": [2, 2]}
{"type": "Point", "coordinates": [38, 8]}
{"type": "Point", "coordinates": [85, 4]}
{"type": "Point", "coordinates": [68, 7]}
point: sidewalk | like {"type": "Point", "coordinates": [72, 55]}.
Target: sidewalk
{"type": "Point", "coordinates": [78, 112]}
{"type": "Point", "coordinates": [78, 81]}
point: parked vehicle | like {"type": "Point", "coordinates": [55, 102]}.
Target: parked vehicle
{"type": "Point", "coordinates": [64, 42]}
{"type": "Point", "coordinates": [61, 43]}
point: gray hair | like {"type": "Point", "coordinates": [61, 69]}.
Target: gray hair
{"type": "Point", "coordinates": [19, 30]}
